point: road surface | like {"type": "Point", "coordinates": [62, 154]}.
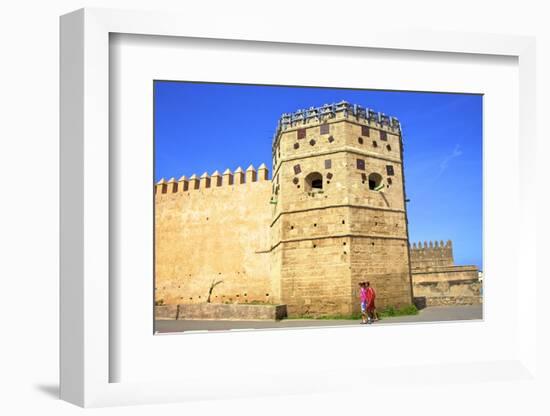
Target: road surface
{"type": "Point", "coordinates": [429, 314]}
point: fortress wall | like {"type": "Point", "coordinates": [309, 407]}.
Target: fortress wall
{"type": "Point", "coordinates": [330, 271]}
{"type": "Point", "coordinates": [444, 274]}
{"type": "Point", "coordinates": [343, 181]}
{"type": "Point", "coordinates": [437, 281]}
{"type": "Point", "coordinates": [456, 285]}
{"type": "Point", "coordinates": [308, 248]}
{"type": "Point", "coordinates": [359, 192]}
{"type": "Point", "coordinates": [384, 263]}
{"type": "Point", "coordinates": [335, 138]}
{"type": "Point", "coordinates": [450, 292]}
{"type": "Point", "coordinates": [313, 224]}
{"type": "Point", "coordinates": [208, 230]}
{"type": "Point", "coordinates": [373, 142]}
{"type": "Point", "coordinates": [276, 263]}
{"type": "Point", "coordinates": [431, 255]}
{"type": "Point", "coordinates": [293, 194]}
{"type": "Point", "coordinates": [374, 222]}
{"type": "Point", "coordinates": [314, 269]}
{"type": "Point", "coordinates": [318, 227]}
{"type": "Point", "coordinates": [315, 277]}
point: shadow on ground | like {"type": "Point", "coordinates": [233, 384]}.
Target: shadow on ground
{"type": "Point", "coordinates": [51, 390]}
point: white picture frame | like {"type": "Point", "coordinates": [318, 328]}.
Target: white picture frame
{"type": "Point", "coordinates": [87, 356]}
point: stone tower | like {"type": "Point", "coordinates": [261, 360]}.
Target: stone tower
{"type": "Point", "coordinates": [338, 210]}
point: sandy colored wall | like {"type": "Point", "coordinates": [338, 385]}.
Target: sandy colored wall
{"type": "Point", "coordinates": [384, 263]}
{"type": "Point", "coordinates": [444, 274]}
{"type": "Point", "coordinates": [219, 311]}
{"type": "Point", "coordinates": [326, 237]}
{"type": "Point", "coordinates": [449, 293]}
{"type": "Point", "coordinates": [429, 255]}
{"type": "Point", "coordinates": [210, 234]}
{"type": "Point", "coordinates": [311, 257]}
{"type": "Point", "coordinates": [315, 277]}
{"type": "Point", "coordinates": [347, 183]}
{"type": "Point", "coordinates": [458, 285]}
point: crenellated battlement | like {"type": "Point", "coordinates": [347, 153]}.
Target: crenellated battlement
{"type": "Point", "coordinates": [431, 245]}
{"type": "Point", "coordinates": [215, 180]}
{"type": "Point", "coordinates": [340, 110]}
{"type": "Point", "coordinates": [430, 254]}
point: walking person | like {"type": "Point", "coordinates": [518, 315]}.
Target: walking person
{"type": "Point", "coordinates": [372, 315]}
{"type": "Point", "coordinates": [363, 297]}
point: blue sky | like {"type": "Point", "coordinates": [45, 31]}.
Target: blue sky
{"type": "Point", "coordinates": [207, 127]}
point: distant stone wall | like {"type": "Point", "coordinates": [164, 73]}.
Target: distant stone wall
{"type": "Point", "coordinates": [445, 274]}
{"type": "Point", "coordinates": [458, 285]}
{"type": "Point", "coordinates": [431, 254]}
{"type": "Point", "coordinates": [212, 311]}
{"type": "Point", "coordinates": [454, 300]}
{"type": "Point", "coordinates": [437, 281]}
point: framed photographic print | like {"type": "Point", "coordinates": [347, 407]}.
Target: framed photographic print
{"type": "Point", "coordinates": [240, 205]}
{"type": "Point", "coordinates": [324, 239]}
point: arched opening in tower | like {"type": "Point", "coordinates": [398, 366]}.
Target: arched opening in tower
{"type": "Point", "coordinates": [314, 181]}
{"type": "Point", "coordinates": [317, 183]}
{"type": "Point", "coordinates": [375, 182]}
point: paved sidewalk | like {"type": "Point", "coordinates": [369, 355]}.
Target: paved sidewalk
{"type": "Point", "coordinates": [430, 314]}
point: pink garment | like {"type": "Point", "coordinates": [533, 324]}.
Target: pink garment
{"type": "Point", "coordinates": [363, 294]}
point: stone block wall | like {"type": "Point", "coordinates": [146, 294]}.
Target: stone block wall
{"type": "Point", "coordinates": [213, 311]}
{"type": "Point", "coordinates": [344, 231]}
{"type": "Point", "coordinates": [315, 277]}
{"type": "Point", "coordinates": [431, 254]}
{"type": "Point", "coordinates": [437, 281]}
{"type": "Point", "coordinates": [212, 229]}
{"type": "Point", "coordinates": [455, 285]}
{"type": "Point", "coordinates": [384, 263]}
